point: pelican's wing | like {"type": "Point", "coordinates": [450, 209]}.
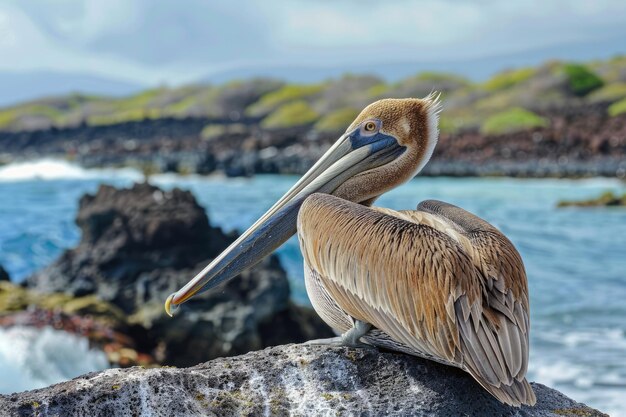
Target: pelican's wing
{"type": "Point", "coordinates": [505, 295]}
{"type": "Point", "coordinates": [411, 275]}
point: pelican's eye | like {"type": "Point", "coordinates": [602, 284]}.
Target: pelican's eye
{"type": "Point", "coordinates": [370, 126]}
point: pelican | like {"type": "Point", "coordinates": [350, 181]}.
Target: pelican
{"type": "Point", "coordinates": [436, 282]}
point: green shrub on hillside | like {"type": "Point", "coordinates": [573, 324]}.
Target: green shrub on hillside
{"type": "Point", "coordinates": [338, 120]}
{"type": "Point", "coordinates": [609, 92]}
{"type": "Point", "coordinates": [292, 114]}
{"type": "Point", "coordinates": [508, 79]}
{"type": "Point", "coordinates": [617, 108]}
{"type": "Point", "coordinates": [512, 120]}
{"type": "Point", "coordinates": [582, 81]}
{"type": "Point", "coordinates": [182, 106]}
{"type": "Point", "coordinates": [449, 124]}
{"type": "Point", "coordinates": [131, 115]}
{"type": "Point", "coordinates": [136, 101]}
{"type": "Point", "coordinates": [10, 115]}
{"type": "Point", "coordinates": [272, 100]}
{"type": "Point", "coordinates": [213, 131]}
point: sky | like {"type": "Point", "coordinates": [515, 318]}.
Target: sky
{"type": "Point", "coordinates": [163, 41]}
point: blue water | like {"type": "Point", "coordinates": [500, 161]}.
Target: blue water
{"type": "Point", "coordinates": [575, 258]}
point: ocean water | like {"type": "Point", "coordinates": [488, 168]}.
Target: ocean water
{"type": "Point", "coordinates": [575, 258]}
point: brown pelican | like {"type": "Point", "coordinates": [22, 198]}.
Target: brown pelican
{"type": "Point", "coordinates": [436, 282]}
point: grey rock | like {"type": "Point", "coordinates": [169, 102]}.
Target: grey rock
{"type": "Point", "coordinates": [295, 380]}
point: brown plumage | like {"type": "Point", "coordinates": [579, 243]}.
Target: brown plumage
{"type": "Point", "coordinates": [436, 282]}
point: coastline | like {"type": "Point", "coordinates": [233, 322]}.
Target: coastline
{"type": "Point", "coordinates": [579, 142]}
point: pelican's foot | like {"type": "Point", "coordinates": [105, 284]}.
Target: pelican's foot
{"type": "Point", "coordinates": [352, 338]}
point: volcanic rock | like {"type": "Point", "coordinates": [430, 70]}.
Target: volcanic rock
{"type": "Point", "coordinates": [292, 380]}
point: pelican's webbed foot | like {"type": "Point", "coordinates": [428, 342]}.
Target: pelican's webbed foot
{"type": "Point", "coordinates": [351, 338]}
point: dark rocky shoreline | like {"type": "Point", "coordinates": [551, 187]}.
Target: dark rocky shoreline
{"type": "Point", "coordinates": [580, 141]}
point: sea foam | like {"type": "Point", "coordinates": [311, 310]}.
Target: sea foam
{"type": "Point", "coordinates": [34, 358]}
{"type": "Point", "coordinates": [56, 169]}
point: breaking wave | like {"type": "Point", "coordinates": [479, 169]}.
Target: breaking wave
{"type": "Point", "coordinates": [33, 358]}
{"type": "Point", "coordinates": [56, 169]}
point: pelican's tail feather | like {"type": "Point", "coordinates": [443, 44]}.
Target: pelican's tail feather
{"type": "Point", "coordinates": [518, 393]}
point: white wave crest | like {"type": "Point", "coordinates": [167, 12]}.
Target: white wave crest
{"type": "Point", "coordinates": [34, 358]}
{"type": "Point", "coordinates": [603, 390]}
{"type": "Point", "coordinates": [55, 169]}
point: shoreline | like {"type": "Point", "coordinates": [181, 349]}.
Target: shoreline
{"type": "Point", "coordinates": [580, 141]}
{"type": "Point", "coordinates": [434, 169]}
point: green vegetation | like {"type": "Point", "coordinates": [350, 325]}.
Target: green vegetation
{"type": "Point", "coordinates": [377, 90]}
{"type": "Point", "coordinates": [606, 199]}
{"type": "Point", "coordinates": [508, 79]}
{"type": "Point", "coordinates": [271, 101]}
{"type": "Point", "coordinates": [610, 93]}
{"type": "Point", "coordinates": [213, 131]}
{"type": "Point", "coordinates": [495, 105]}
{"type": "Point", "coordinates": [131, 115]}
{"type": "Point", "coordinates": [582, 81]}
{"type": "Point", "coordinates": [512, 120]}
{"type": "Point", "coordinates": [448, 124]}
{"type": "Point", "coordinates": [617, 108]}
{"type": "Point", "coordinates": [14, 298]}
{"type": "Point", "coordinates": [338, 120]}
{"type": "Point", "coordinates": [296, 113]}
{"type": "Point", "coordinates": [12, 115]}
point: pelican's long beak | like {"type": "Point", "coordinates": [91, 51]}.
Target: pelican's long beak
{"type": "Point", "coordinates": [350, 155]}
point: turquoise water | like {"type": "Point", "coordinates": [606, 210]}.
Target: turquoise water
{"type": "Point", "coordinates": [575, 258]}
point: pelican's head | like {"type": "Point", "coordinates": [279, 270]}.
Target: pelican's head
{"type": "Point", "coordinates": [386, 145]}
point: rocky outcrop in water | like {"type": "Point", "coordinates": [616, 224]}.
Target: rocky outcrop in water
{"type": "Point", "coordinates": [4, 275]}
{"type": "Point", "coordinates": [294, 380]}
{"type": "Point", "coordinates": [606, 199]}
{"type": "Point", "coordinates": [131, 241]}
{"type": "Point", "coordinates": [141, 244]}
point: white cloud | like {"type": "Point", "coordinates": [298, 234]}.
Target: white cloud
{"type": "Point", "coordinates": [447, 29]}
{"type": "Point", "coordinates": [154, 40]}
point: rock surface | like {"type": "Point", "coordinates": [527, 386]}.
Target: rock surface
{"type": "Point", "coordinates": [141, 244]}
{"type": "Point", "coordinates": [296, 380]}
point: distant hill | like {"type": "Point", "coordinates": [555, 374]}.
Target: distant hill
{"type": "Point", "coordinates": [509, 101]}
{"type": "Point", "coordinates": [18, 87]}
